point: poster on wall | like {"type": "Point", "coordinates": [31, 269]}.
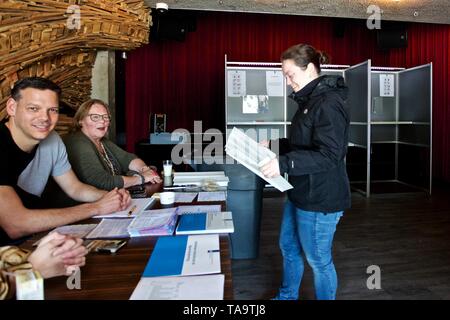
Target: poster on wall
{"type": "Point", "coordinates": [252, 104]}
{"type": "Point", "coordinates": [236, 83]}
{"type": "Point", "coordinates": [274, 83]}
{"type": "Point", "coordinates": [387, 85]}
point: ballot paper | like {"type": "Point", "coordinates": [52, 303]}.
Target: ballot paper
{"type": "Point", "coordinates": [110, 229]}
{"type": "Point", "coordinates": [137, 206]}
{"type": "Point", "coordinates": [74, 230]}
{"type": "Point", "coordinates": [200, 178]}
{"type": "Point", "coordinates": [154, 223]}
{"type": "Point", "coordinates": [253, 156]}
{"type": "Point", "coordinates": [211, 196]}
{"type": "Point", "coordinates": [207, 287]}
{"type": "Point", "coordinates": [198, 209]}
{"type": "Point", "coordinates": [185, 197]}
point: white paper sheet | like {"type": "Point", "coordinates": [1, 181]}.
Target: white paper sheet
{"type": "Point", "coordinates": [387, 85]}
{"type": "Point", "coordinates": [74, 230]}
{"type": "Point", "coordinates": [250, 104]}
{"type": "Point", "coordinates": [110, 229]}
{"type": "Point", "coordinates": [201, 208]}
{"type": "Point", "coordinates": [202, 254]}
{"type": "Point", "coordinates": [200, 178]}
{"type": "Point", "coordinates": [185, 197]}
{"type": "Point", "coordinates": [274, 83]}
{"type": "Point", "coordinates": [139, 205]}
{"type": "Point", "coordinates": [252, 155]}
{"type": "Point", "coordinates": [211, 196]}
{"type": "Point", "coordinates": [237, 83]}
{"type": "Point", "coordinates": [208, 287]}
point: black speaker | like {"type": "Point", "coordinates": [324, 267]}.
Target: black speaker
{"type": "Point", "coordinates": [172, 25]}
{"type": "Point", "coordinates": [392, 36]}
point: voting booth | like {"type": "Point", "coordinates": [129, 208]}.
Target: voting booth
{"type": "Point", "coordinates": [390, 142]}
{"type": "Point", "coordinates": [390, 145]}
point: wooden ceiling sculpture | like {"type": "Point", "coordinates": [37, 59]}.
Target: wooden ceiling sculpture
{"type": "Point", "coordinates": [58, 39]}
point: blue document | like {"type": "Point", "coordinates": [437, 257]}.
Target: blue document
{"type": "Point", "coordinates": [184, 256]}
{"type": "Point", "coordinates": [202, 223]}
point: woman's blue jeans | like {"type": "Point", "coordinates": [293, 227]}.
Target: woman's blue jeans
{"type": "Point", "coordinates": [310, 234]}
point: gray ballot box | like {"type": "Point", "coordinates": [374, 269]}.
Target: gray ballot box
{"type": "Point", "coordinates": [244, 200]}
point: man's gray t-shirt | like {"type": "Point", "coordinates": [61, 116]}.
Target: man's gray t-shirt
{"type": "Point", "coordinates": [28, 172]}
{"type": "Point", "coordinates": [50, 160]}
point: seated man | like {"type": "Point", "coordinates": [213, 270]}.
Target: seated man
{"type": "Point", "coordinates": [56, 255]}
{"type": "Point", "coordinates": [31, 152]}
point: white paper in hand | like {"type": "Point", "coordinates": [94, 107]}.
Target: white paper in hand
{"type": "Point", "coordinates": [252, 155]}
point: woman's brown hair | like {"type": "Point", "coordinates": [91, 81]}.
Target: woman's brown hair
{"type": "Point", "coordinates": [303, 54]}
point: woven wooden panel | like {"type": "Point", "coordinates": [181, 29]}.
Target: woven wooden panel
{"type": "Point", "coordinates": [58, 39]}
{"type": "Point", "coordinates": [64, 124]}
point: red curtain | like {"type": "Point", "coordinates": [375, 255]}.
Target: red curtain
{"type": "Point", "coordinates": [185, 79]}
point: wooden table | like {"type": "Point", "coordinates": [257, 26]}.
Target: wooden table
{"type": "Point", "coordinates": [115, 276]}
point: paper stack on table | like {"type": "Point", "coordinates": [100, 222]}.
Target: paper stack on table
{"type": "Point", "coordinates": [158, 222]}
{"type": "Point", "coordinates": [198, 209]}
{"type": "Point", "coordinates": [110, 229]}
{"type": "Point", "coordinates": [200, 178]}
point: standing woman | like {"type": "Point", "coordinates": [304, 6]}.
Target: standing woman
{"type": "Point", "coordinates": [98, 161]}
{"type": "Point", "coordinates": [314, 159]}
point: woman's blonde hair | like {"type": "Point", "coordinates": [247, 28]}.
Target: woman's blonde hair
{"type": "Point", "coordinates": [83, 111]}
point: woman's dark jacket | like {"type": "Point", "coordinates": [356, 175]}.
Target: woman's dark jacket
{"type": "Point", "coordinates": [314, 154]}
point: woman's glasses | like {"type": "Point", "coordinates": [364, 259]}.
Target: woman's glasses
{"type": "Point", "coordinates": [97, 117]}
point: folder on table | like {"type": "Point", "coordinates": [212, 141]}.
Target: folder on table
{"type": "Point", "coordinates": [184, 256]}
{"type": "Point", "coordinates": [203, 223]}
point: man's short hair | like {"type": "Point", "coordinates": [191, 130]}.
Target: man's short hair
{"type": "Point", "coordinates": [35, 83]}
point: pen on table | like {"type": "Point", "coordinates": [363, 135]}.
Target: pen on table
{"type": "Point", "coordinates": [131, 210]}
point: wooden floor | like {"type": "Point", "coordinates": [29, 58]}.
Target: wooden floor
{"type": "Point", "coordinates": [407, 235]}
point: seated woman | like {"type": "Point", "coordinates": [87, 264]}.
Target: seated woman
{"type": "Point", "coordinates": [98, 161]}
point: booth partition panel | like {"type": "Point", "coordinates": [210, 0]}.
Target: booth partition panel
{"type": "Point", "coordinates": [357, 79]}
